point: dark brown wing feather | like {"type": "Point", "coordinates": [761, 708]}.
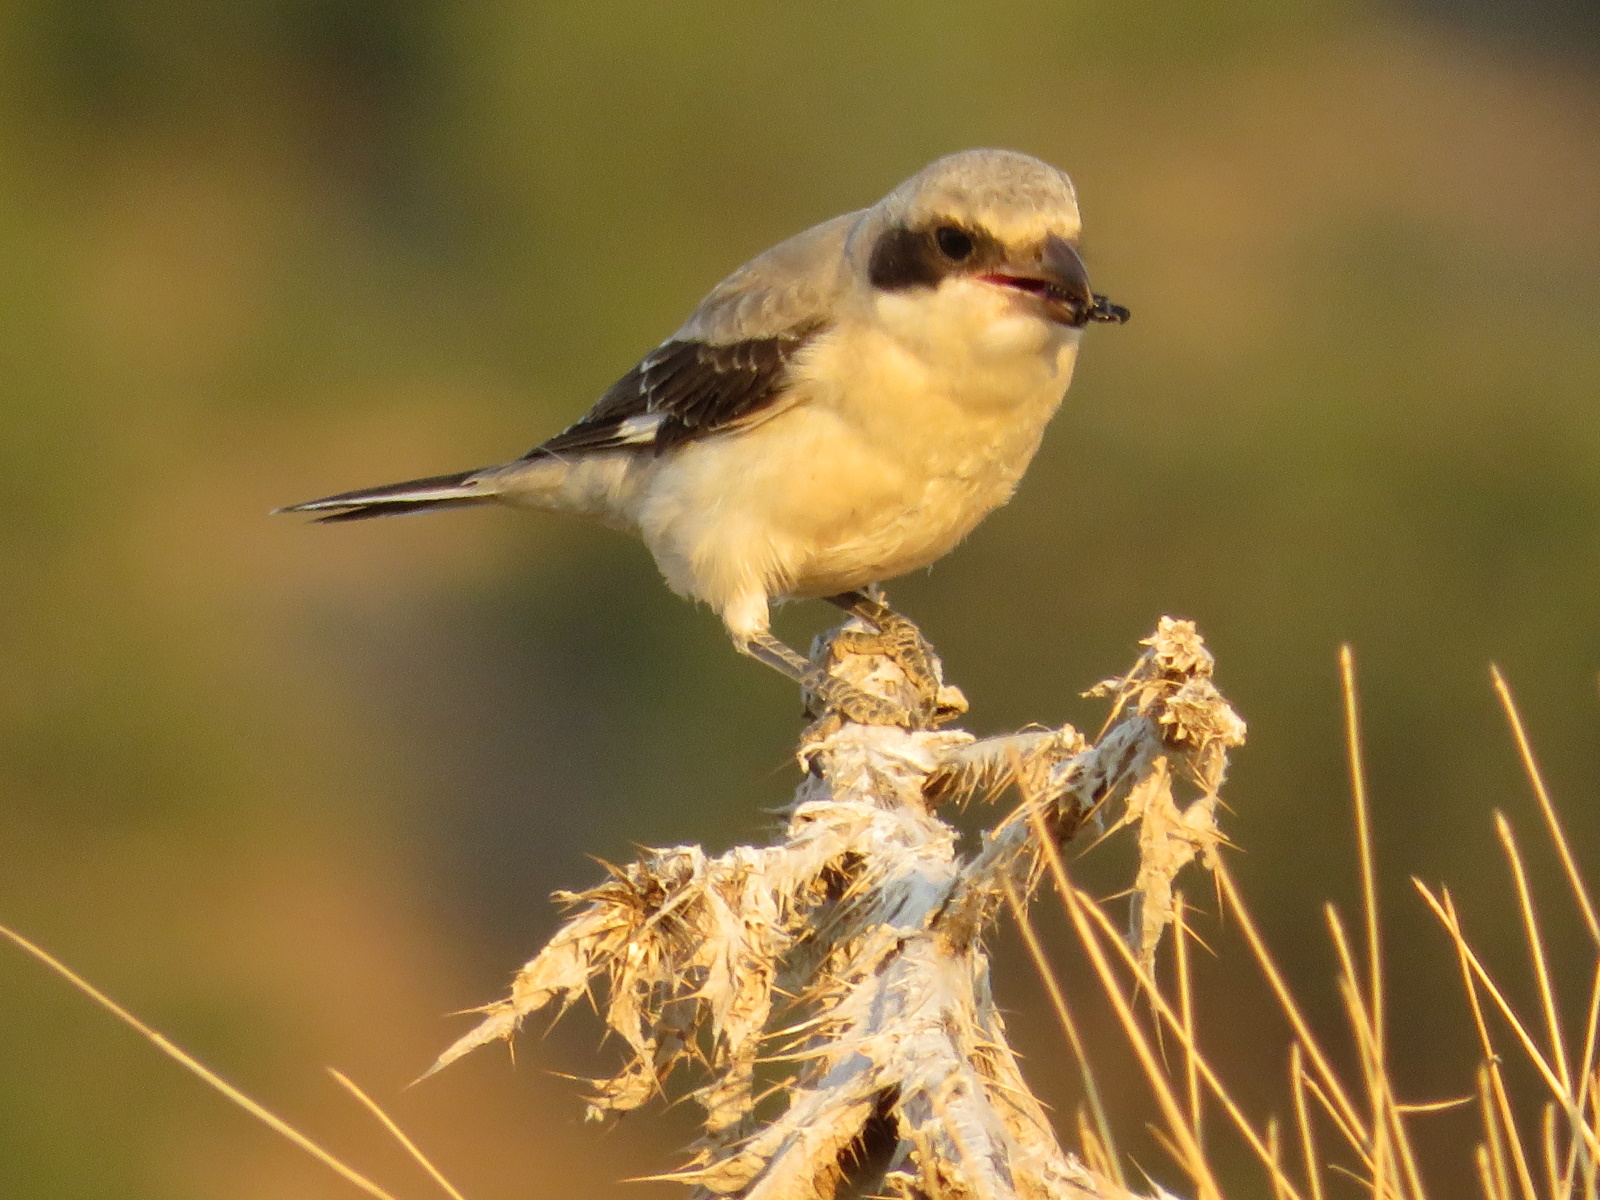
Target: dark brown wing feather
{"type": "Point", "coordinates": [693, 389]}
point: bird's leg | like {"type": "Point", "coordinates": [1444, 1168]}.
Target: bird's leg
{"type": "Point", "coordinates": [903, 642]}
{"type": "Point", "coordinates": [845, 698]}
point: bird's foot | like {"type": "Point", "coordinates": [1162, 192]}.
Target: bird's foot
{"type": "Point", "coordinates": [907, 650]}
{"type": "Point", "coordinates": [899, 639]}
{"type": "Point", "coordinates": [854, 703]}
{"type": "Point", "coordinates": [879, 670]}
{"type": "Point", "coordinates": [827, 691]}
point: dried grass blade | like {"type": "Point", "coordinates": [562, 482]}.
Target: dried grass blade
{"type": "Point", "coordinates": [1191, 1072]}
{"type": "Point", "coordinates": [1275, 1149]}
{"type": "Point", "coordinates": [397, 1133]}
{"type": "Point", "coordinates": [1187, 1151]}
{"type": "Point", "coordinates": [1334, 1088]}
{"type": "Point", "coordinates": [1354, 1138]}
{"type": "Point", "coordinates": [1469, 982]}
{"type": "Point", "coordinates": [1434, 1106]}
{"type": "Point", "coordinates": [194, 1066]}
{"type": "Point", "coordinates": [1402, 1142]}
{"type": "Point", "coordinates": [1560, 1182]}
{"type": "Point", "coordinates": [1529, 1046]}
{"type": "Point", "coordinates": [1508, 1122]}
{"type": "Point", "coordinates": [1490, 1058]}
{"type": "Point", "coordinates": [1541, 969]}
{"type": "Point", "coordinates": [1377, 1132]}
{"type": "Point", "coordinates": [1085, 908]}
{"type": "Point", "coordinates": [1586, 1064]}
{"type": "Point", "coordinates": [1302, 1117]}
{"type": "Point", "coordinates": [1095, 1156]}
{"type": "Point", "coordinates": [1058, 1001]}
{"type": "Point", "coordinates": [1546, 806]}
{"type": "Point", "coordinates": [1492, 1142]}
{"type": "Point", "coordinates": [1369, 884]}
{"type": "Point", "coordinates": [1485, 1172]}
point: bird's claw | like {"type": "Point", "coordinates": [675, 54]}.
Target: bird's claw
{"type": "Point", "coordinates": [857, 704]}
{"type": "Point", "coordinates": [898, 639]}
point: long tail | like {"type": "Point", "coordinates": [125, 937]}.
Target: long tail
{"type": "Point", "coordinates": [395, 499]}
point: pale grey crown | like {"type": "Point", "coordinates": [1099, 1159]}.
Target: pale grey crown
{"type": "Point", "coordinates": [1006, 190]}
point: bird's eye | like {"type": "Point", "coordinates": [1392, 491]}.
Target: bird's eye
{"type": "Point", "coordinates": [955, 244]}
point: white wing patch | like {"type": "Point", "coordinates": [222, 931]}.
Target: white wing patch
{"type": "Point", "coordinates": [640, 430]}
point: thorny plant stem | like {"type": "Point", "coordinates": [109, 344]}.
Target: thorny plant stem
{"type": "Point", "coordinates": [866, 924]}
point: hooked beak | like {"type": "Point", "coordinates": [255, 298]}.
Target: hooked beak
{"type": "Point", "coordinates": [1059, 278]}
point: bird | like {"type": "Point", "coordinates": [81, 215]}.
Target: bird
{"type": "Point", "coordinates": [842, 409]}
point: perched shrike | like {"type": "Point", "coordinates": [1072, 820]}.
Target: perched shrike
{"type": "Point", "coordinates": [840, 410]}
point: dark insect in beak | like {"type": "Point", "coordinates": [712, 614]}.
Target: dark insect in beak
{"type": "Point", "coordinates": [1103, 310]}
{"type": "Point", "coordinates": [1069, 305]}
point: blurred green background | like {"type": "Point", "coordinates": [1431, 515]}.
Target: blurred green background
{"type": "Point", "coordinates": [293, 793]}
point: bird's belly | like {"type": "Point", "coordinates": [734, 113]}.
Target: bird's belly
{"type": "Point", "coordinates": [882, 537]}
{"type": "Point", "coordinates": [805, 505]}
{"type": "Point", "coordinates": [923, 456]}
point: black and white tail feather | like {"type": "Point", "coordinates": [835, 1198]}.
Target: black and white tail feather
{"type": "Point", "coordinates": [461, 490]}
{"type": "Point", "coordinates": [681, 391]}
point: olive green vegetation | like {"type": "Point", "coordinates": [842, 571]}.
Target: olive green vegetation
{"type": "Point", "coordinates": [292, 792]}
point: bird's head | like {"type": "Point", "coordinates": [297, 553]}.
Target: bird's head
{"type": "Point", "coordinates": [999, 218]}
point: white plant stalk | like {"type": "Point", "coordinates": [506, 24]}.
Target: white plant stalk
{"type": "Point", "coordinates": [847, 959]}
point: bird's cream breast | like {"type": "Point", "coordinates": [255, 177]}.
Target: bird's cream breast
{"type": "Point", "coordinates": [961, 396]}
{"type": "Point", "coordinates": [889, 455]}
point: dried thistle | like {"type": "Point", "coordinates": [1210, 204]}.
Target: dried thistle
{"type": "Point", "coordinates": [850, 954]}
